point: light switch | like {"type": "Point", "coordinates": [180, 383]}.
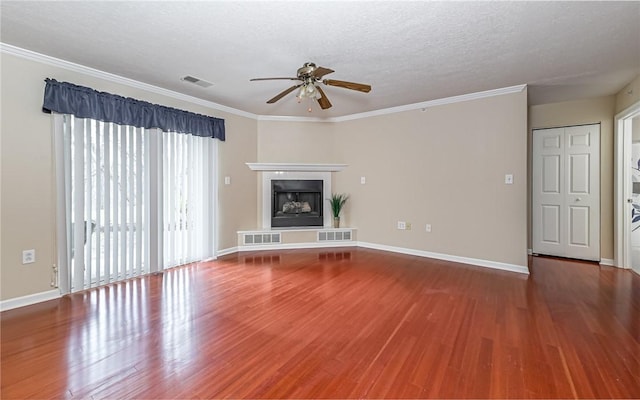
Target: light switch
{"type": "Point", "coordinates": [508, 179]}
{"type": "Point", "coordinates": [363, 180]}
{"type": "Point", "coordinates": [227, 180]}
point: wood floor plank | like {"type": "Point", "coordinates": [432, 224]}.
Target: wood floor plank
{"type": "Point", "coordinates": [333, 323]}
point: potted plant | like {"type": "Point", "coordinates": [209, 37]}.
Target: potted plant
{"type": "Point", "coordinates": [337, 201]}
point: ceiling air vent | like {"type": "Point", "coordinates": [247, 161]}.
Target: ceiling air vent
{"type": "Point", "coordinates": [196, 81]}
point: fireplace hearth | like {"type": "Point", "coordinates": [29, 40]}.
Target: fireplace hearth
{"type": "Point", "coordinates": [296, 203]}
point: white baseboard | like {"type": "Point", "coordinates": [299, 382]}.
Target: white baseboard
{"type": "Point", "coordinates": [29, 299]}
{"type": "Point", "coordinates": [529, 252]}
{"type": "Point", "coordinates": [522, 269]}
{"type": "Point", "coordinates": [224, 252]}
{"type": "Point", "coordinates": [607, 261]}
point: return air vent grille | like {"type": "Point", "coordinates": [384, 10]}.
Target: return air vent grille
{"type": "Point", "coordinates": [196, 81]}
{"type": "Point", "coordinates": [334, 236]}
{"type": "Point", "coordinates": [261, 238]}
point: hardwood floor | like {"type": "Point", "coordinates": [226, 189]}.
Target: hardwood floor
{"type": "Point", "coordinates": [334, 323]}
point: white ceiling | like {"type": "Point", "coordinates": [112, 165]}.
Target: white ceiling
{"type": "Point", "coordinates": [409, 52]}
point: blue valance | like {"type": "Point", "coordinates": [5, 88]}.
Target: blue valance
{"type": "Point", "coordinates": [84, 102]}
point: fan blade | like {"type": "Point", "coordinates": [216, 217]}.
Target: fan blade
{"type": "Point", "coordinates": [323, 101]}
{"type": "Point", "coordinates": [272, 79]}
{"type": "Point", "coordinates": [284, 93]}
{"type": "Point", "coordinates": [348, 85]}
{"type": "Point", "coordinates": [321, 71]}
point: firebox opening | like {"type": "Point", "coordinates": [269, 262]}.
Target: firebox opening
{"type": "Point", "coordinates": [296, 203]}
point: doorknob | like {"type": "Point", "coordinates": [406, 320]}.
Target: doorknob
{"type": "Point", "coordinates": [629, 200]}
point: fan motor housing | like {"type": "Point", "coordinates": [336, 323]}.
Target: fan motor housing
{"type": "Point", "coordinates": [306, 70]}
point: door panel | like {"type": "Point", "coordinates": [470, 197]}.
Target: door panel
{"type": "Point", "coordinates": [579, 174]}
{"type": "Point", "coordinates": [579, 139]}
{"type": "Point", "coordinates": [583, 149]}
{"type": "Point", "coordinates": [579, 221]}
{"type": "Point", "coordinates": [552, 142]}
{"type": "Point", "coordinates": [566, 192]}
{"type": "Point", "coordinates": [548, 185]}
{"type": "Point", "coordinates": [551, 174]}
{"type": "Point", "coordinates": [551, 224]}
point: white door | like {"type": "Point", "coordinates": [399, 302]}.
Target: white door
{"type": "Point", "coordinates": [633, 214]}
{"type": "Point", "coordinates": [566, 192]}
{"type": "Point", "coordinates": [627, 197]}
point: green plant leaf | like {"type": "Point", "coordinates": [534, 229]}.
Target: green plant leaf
{"type": "Point", "coordinates": [337, 201]}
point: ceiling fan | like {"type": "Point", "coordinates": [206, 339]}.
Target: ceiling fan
{"type": "Point", "coordinates": [310, 76]}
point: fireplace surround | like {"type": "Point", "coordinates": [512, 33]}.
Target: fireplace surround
{"type": "Point", "coordinates": [287, 171]}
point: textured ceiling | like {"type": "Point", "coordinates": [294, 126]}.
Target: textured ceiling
{"type": "Point", "coordinates": [410, 52]}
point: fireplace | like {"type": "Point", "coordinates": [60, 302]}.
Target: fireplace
{"type": "Point", "coordinates": [288, 171]}
{"type": "Point", "coordinates": [296, 203]}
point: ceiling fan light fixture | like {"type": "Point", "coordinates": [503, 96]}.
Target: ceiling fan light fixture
{"type": "Point", "coordinates": [301, 92]}
{"type": "Point", "coordinates": [311, 90]}
{"type": "Point", "coordinates": [309, 76]}
{"type": "Point", "coordinates": [308, 91]}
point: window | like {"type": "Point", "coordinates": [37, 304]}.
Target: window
{"type": "Point", "coordinates": [131, 200]}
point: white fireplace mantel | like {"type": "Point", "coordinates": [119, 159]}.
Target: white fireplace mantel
{"type": "Point", "coordinates": [296, 167]}
{"type": "Point", "coordinates": [277, 171]}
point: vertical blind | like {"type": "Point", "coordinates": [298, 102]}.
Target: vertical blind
{"type": "Point", "coordinates": [131, 200]}
{"type": "Point", "coordinates": [187, 184]}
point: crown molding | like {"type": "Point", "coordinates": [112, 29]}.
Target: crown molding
{"type": "Point", "coordinates": [296, 167]}
{"type": "Point", "coordinates": [407, 107]}
{"type": "Point", "coordinates": [433, 103]}
{"type": "Point", "coordinates": [285, 118]}
{"type": "Point", "coordinates": [56, 62]}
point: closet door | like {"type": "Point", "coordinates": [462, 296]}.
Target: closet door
{"type": "Point", "coordinates": [566, 192]}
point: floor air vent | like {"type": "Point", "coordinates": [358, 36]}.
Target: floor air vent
{"type": "Point", "coordinates": [333, 236]}
{"type": "Point", "coordinates": [261, 238]}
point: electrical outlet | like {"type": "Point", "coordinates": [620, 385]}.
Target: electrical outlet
{"type": "Point", "coordinates": [227, 180]}
{"type": "Point", "coordinates": [402, 225]}
{"type": "Point", "coordinates": [408, 226]}
{"type": "Point", "coordinates": [363, 180]}
{"type": "Point", "coordinates": [428, 228]}
{"type": "Point", "coordinates": [29, 256]}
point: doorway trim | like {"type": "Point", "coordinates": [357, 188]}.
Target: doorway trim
{"type": "Point", "coordinates": [622, 188]}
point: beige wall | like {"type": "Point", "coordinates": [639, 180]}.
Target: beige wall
{"type": "Point", "coordinates": [444, 166]}
{"type": "Point", "coordinates": [589, 111]}
{"type": "Point", "coordinates": [27, 187]}
{"type": "Point", "coordinates": [296, 142]}
{"type": "Point", "coordinates": [629, 95]}
{"type": "Point", "coordinates": [236, 201]}
{"type": "Point", "coordinates": [635, 129]}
